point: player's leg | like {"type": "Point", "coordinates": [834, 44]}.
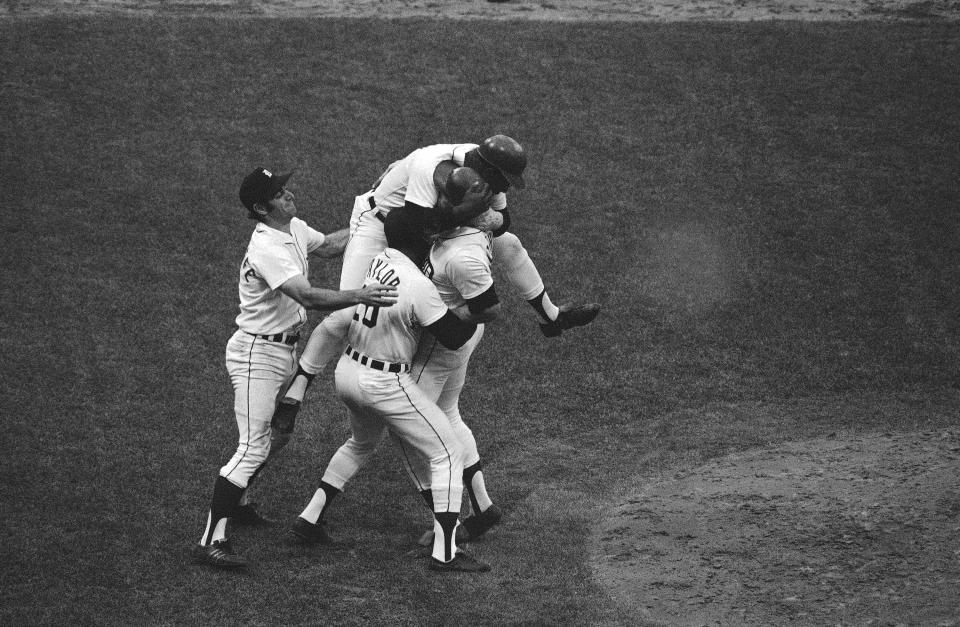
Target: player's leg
{"type": "Point", "coordinates": [325, 345]}
{"type": "Point", "coordinates": [367, 431]}
{"type": "Point", "coordinates": [256, 371]}
{"type": "Point", "coordinates": [431, 366]}
{"type": "Point", "coordinates": [420, 425]}
{"type": "Point", "coordinates": [441, 373]}
{"type": "Point", "coordinates": [473, 478]}
{"type": "Point", "coordinates": [367, 240]}
{"type": "Point", "coordinates": [515, 263]}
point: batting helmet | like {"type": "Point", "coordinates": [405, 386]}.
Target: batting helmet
{"type": "Point", "coordinates": [507, 156]}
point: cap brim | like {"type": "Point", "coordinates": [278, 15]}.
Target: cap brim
{"type": "Point", "coordinates": [277, 181]}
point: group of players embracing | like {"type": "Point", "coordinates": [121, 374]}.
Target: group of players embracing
{"type": "Point", "coordinates": [416, 291]}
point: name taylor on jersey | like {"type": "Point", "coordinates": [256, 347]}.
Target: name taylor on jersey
{"type": "Point", "coordinates": [381, 272]}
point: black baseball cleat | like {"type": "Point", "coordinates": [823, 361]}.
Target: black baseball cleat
{"type": "Point", "coordinates": [570, 316]}
{"type": "Point", "coordinates": [462, 562]}
{"type": "Point", "coordinates": [218, 554]}
{"type": "Point", "coordinates": [306, 532]}
{"type": "Point", "coordinates": [249, 516]}
{"type": "Point", "coordinates": [479, 524]}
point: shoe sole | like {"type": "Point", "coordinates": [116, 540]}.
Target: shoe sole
{"type": "Point", "coordinates": [300, 538]}
{"type": "Point", "coordinates": [204, 560]}
{"type": "Point", "coordinates": [585, 321]}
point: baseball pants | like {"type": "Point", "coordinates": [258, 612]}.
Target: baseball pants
{"type": "Point", "coordinates": [379, 401]}
{"type": "Point", "coordinates": [259, 370]}
{"type": "Point", "coordinates": [441, 374]}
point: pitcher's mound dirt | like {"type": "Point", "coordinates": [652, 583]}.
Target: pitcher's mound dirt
{"type": "Point", "coordinates": [862, 531]}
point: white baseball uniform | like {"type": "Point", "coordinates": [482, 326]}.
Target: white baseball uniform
{"type": "Point", "coordinates": [408, 180]}
{"type": "Point", "coordinates": [373, 379]}
{"type": "Point", "coordinates": [460, 268]}
{"type": "Point", "coordinates": [260, 356]}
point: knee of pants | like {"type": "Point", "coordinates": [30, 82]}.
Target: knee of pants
{"type": "Point", "coordinates": [361, 448]}
{"type": "Point", "coordinates": [508, 246]}
{"type": "Point", "coordinates": [519, 269]}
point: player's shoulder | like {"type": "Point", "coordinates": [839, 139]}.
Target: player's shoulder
{"type": "Point", "coordinates": [298, 223]}
{"type": "Point", "coordinates": [462, 242]}
{"type": "Point", "coordinates": [401, 264]}
{"type": "Point", "coordinates": [462, 236]}
{"type": "Point", "coordinates": [435, 153]}
{"type": "Point", "coordinates": [266, 238]}
{"type": "Point", "coordinates": [300, 229]}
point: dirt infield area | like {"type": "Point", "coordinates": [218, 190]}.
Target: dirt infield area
{"type": "Point", "coordinates": [561, 10]}
{"type": "Point", "coordinates": [845, 531]}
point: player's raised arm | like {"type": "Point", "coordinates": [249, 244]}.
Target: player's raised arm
{"type": "Point", "coordinates": [299, 289]}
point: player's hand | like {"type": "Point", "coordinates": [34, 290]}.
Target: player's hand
{"type": "Point", "coordinates": [477, 197]}
{"type": "Point", "coordinates": [377, 295]}
{"type": "Point", "coordinates": [489, 220]}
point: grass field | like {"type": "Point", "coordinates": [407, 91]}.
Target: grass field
{"type": "Point", "coordinates": [768, 213]}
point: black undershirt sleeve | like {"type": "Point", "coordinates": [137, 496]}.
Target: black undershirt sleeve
{"type": "Point", "coordinates": [479, 304]}
{"type": "Point", "coordinates": [451, 331]}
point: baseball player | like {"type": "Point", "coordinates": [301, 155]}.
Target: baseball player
{"type": "Point", "coordinates": [373, 379]}
{"type": "Point", "coordinates": [414, 182]}
{"type": "Point", "coordinates": [260, 356]}
{"type": "Point", "coordinates": [460, 266]}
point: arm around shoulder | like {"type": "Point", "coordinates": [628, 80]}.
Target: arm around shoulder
{"type": "Point", "coordinates": [451, 331]}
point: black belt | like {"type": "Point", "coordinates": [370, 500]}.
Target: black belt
{"type": "Point", "coordinates": [376, 364]}
{"type": "Point", "coordinates": [290, 339]}
{"type": "Point", "coordinates": [380, 215]}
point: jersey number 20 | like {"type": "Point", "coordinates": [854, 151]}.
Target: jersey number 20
{"type": "Point", "coordinates": [369, 317]}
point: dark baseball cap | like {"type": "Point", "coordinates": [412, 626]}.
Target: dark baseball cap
{"type": "Point", "coordinates": [507, 156]}
{"type": "Point", "coordinates": [260, 186]}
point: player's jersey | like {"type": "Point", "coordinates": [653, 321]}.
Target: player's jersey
{"type": "Point", "coordinates": [460, 264]}
{"type": "Point", "coordinates": [392, 333]}
{"type": "Point", "coordinates": [274, 257]}
{"type": "Point", "coordinates": [411, 178]}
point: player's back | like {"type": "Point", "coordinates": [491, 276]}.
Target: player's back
{"type": "Point", "coordinates": [460, 265]}
{"type": "Point", "coordinates": [411, 178]}
{"type": "Point", "coordinates": [391, 334]}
